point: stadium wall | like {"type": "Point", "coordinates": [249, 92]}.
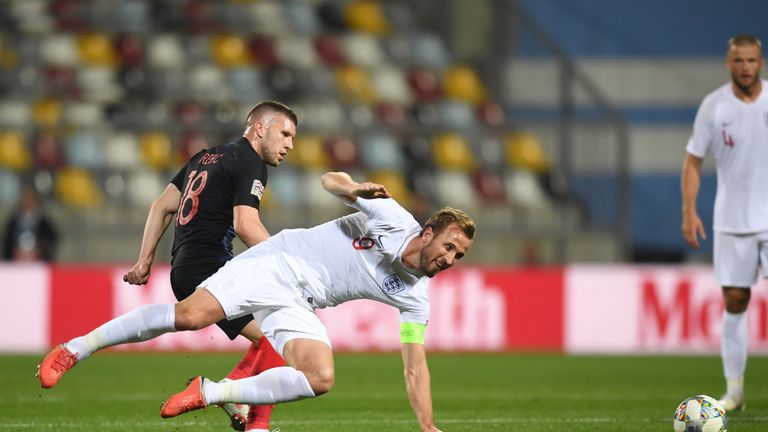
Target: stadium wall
{"type": "Point", "coordinates": [578, 309]}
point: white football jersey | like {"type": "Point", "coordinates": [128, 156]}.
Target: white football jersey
{"type": "Point", "coordinates": [359, 257]}
{"type": "Point", "coordinates": [736, 133]}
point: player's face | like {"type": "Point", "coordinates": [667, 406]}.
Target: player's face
{"type": "Point", "coordinates": [278, 139]}
{"type": "Point", "coordinates": [441, 250]}
{"type": "Point", "coordinates": [744, 62]}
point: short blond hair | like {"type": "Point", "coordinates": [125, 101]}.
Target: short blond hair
{"type": "Point", "coordinates": [447, 216]}
{"type": "Point", "coordinates": [744, 40]}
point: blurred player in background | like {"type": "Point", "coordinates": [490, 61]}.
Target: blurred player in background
{"type": "Point", "coordinates": [379, 253]}
{"type": "Point", "coordinates": [215, 197]}
{"type": "Point", "coordinates": [30, 235]}
{"type": "Point", "coordinates": [732, 124]}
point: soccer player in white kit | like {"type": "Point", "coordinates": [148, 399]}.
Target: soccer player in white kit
{"type": "Point", "coordinates": [379, 253]}
{"type": "Point", "coordinates": [732, 124]}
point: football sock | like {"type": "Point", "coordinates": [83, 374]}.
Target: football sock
{"type": "Point", "coordinates": [140, 324]}
{"type": "Point", "coordinates": [282, 384]}
{"type": "Point", "coordinates": [735, 345]}
{"type": "Point", "coordinates": [245, 365]}
{"type": "Point", "coordinates": [266, 358]}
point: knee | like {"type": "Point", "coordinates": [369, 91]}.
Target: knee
{"type": "Point", "coordinates": [187, 319]}
{"type": "Point", "coordinates": [736, 299]}
{"type": "Point", "coordinates": [321, 381]}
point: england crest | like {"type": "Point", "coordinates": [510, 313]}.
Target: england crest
{"type": "Point", "coordinates": [257, 189]}
{"type": "Point", "coordinates": [393, 284]}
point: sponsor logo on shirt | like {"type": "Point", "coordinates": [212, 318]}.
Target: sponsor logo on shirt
{"type": "Point", "coordinates": [393, 284]}
{"type": "Point", "coordinates": [257, 189]}
{"type": "Point", "coordinates": [365, 243]}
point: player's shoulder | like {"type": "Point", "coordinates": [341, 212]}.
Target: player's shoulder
{"type": "Point", "coordinates": [718, 95]}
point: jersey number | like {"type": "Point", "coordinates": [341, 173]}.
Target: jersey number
{"type": "Point", "coordinates": [193, 194]}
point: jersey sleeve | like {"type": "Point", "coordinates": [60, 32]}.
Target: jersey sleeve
{"type": "Point", "coordinates": [178, 179]}
{"type": "Point", "coordinates": [701, 138]}
{"type": "Point", "coordinates": [383, 213]}
{"type": "Point", "coordinates": [250, 180]}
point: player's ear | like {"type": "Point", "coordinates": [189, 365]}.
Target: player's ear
{"type": "Point", "coordinates": [427, 234]}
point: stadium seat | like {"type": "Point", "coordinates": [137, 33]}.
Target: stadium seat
{"type": "Point", "coordinates": [454, 188]}
{"type": "Point", "coordinates": [10, 188]}
{"type": "Point", "coordinates": [491, 114]}
{"type": "Point", "coordinates": [46, 150]}
{"type": "Point", "coordinates": [362, 50]}
{"type": "Point", "coordinates": [189, 112]}
{"type": "Point", "coordinates": [68, 15]}
{"type": "Point", "coordinates": [366, 16]}
{"type": "Point", "coordinates": [380, 151]}
{"type": "Point", "coordinates": [489, 186]}
{"type": "Point", "coordinates": [13, 151]}
{"type": "Point", "coordinates": [144, 186]}
{"type": "Point", "coordinates": [47, 112]}
{"type": "Point", "coordinates": [301, 17]}
{"type": "Point", "coordinates": [398, 49]}
{"type": "Point", "coordinates": [523, 151]}
{"type": "Point", "coordinates": [342, 152]}
{"type": "Point", "coordinates": [156, 150]}
{"type": "Point", "coordinates": [391, 114]}
{"type": "Point", "coordinates": [308, 153]}
{"type": "Point", "coordinates": [76, 187]}
{"type": "Point", "coordinates": [190, 143]}
{"type": "Point", "coordinates": [456, 115]}
{"type": "Point", "coordinates": [297, 52]}
{"type": "Point", "coordinates": [15, 113]}
{"type": "Point", "coordinates": [59, 50]}
{"type": "Point", "coordinates": [121, 151]}
{"type": "Point", "coordinates": [164, 51]}
{"type": "Point", "coordinates": [329, 50]}
{"type": "Point", "coordinates": [450, 151]}
{"type": "Point", "coordinates": [266, 16]}
{"type": "Point", "coordinates": [207, 83]}
{"type": "Point", "coordinates": [428, 51]}
{"type": "Point", "coordinates": [331, 15]}
{"type": "Point", "coordinates": [395, 183]}
{"type": "Point", "coordinates": [99, 84]}
{"type": "Point", "coordinates": [462, 83]}
{"type": "Point", "coordinates": [84, 149]}
{"type": "Point", "coordinates": [354, 85]}
{"type": "Point", "coordinates": [200, 16]}
{"type": "Point", "coordinates": [360, 116]}
{"type": "Point", "coordinates": [96, 49]}
{"type": "Point", "coordinates": [489, 150]}
{"type": "Point", "coordinates": [523, 189]}
{"type": "Point", "coordinates": [424, 84]}
{"type": "Point", "coordinates": [287, 189]}
{"type": "Point", "coordinates": [391, 85]}
{"type": "Point", "coordinates": [262, 49]}
{"type": "Point", "coordinates": [61, 81]}
{"type": "Point", "coordinates": [83, 114]}
{"type": "Point", "coordinates": [229, 51]}
{"type": "Point", "coordinates": [133, 17]}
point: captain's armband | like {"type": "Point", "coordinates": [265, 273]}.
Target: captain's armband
{"type": "Point", "coordinates": [412, 333]}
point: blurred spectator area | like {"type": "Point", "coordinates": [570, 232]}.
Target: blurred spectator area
{"type": "Point", "coordinates": [103, 101]}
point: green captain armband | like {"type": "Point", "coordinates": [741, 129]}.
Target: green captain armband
{"type": "Point", "coordinates": [412, 333]}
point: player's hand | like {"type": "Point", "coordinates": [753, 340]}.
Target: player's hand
{"type": "Point", "coordinates": [139, 274]}
{"type": "Point", "coordinates": [369, 190]}
{"type": "Point", "coordinates": [693, 229]}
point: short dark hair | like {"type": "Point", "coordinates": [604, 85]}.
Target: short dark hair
{"type": "Point", "coordinates": [446, 216]}
{"type": "Point", "coordinates": [271, 106]}
{"type": "Point", "coordinates": [744, 39]}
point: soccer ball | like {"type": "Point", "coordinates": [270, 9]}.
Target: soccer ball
{"type": "Point", "coordinates": [700, 413]}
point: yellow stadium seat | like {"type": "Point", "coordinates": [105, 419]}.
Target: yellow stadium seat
{"type": "Point", "coordinates": [8, 57]}
{"type": "Point", "coordinates": [450, 151]}
{"type": "Point", "coordinates": [308, 153]}
{"type": "Point", "coordinates": [229, 51]}
{"type": "Point", "coordinates": [96, 49]}
{"type": "Point", "coordinates": [524, 151]}
{"type": "Point", "coordinates": [75, 187]}
{"type": "Point", "coordinates": [156, 150]}
{"type": "Point", "coordinates": [47, 112]}
{"type": "Point", "coordinates": [395, 184]}
{"type": "Point", "coordinates": [462, 83]}
{"type": "Point", "coordinates": [13, 153]}
{"type": "Point", "coordinates": [354, 85]}
{"type": "Point", "coordinates": [367, 16]}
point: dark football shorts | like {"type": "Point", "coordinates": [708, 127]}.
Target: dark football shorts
{"type": "Point", "coordinates": [186, 279]}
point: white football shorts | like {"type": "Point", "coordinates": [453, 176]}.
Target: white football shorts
{"type": "Point", "coordinates": [738, 258]}
{"type": "Point", "coordinates": [259, 282]}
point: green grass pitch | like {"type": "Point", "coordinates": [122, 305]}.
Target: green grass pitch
{"type": "Point", "coordinates": [471, 392]}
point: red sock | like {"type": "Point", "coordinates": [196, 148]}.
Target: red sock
{"type": "Point", "coordinates": [245, 365]}
{"type": "Point", "coordinates": [267, 358]}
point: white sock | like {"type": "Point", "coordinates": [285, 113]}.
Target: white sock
{"type": "Point", "coordinates": [281, 384]}
{"type": "Point", "coordinates": [734, 348]}
{"type": "Point", "coordinates": [140, 324]}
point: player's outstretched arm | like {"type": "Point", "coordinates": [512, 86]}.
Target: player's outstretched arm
{"type": "Point", "coordinates": [417, 384]}
{"type": "Point", "coordinates": [342, 185]}
{"type": "Point", "coordinates": [160, 216]}
{"type": "Point", "coordinates": [690, 181]}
